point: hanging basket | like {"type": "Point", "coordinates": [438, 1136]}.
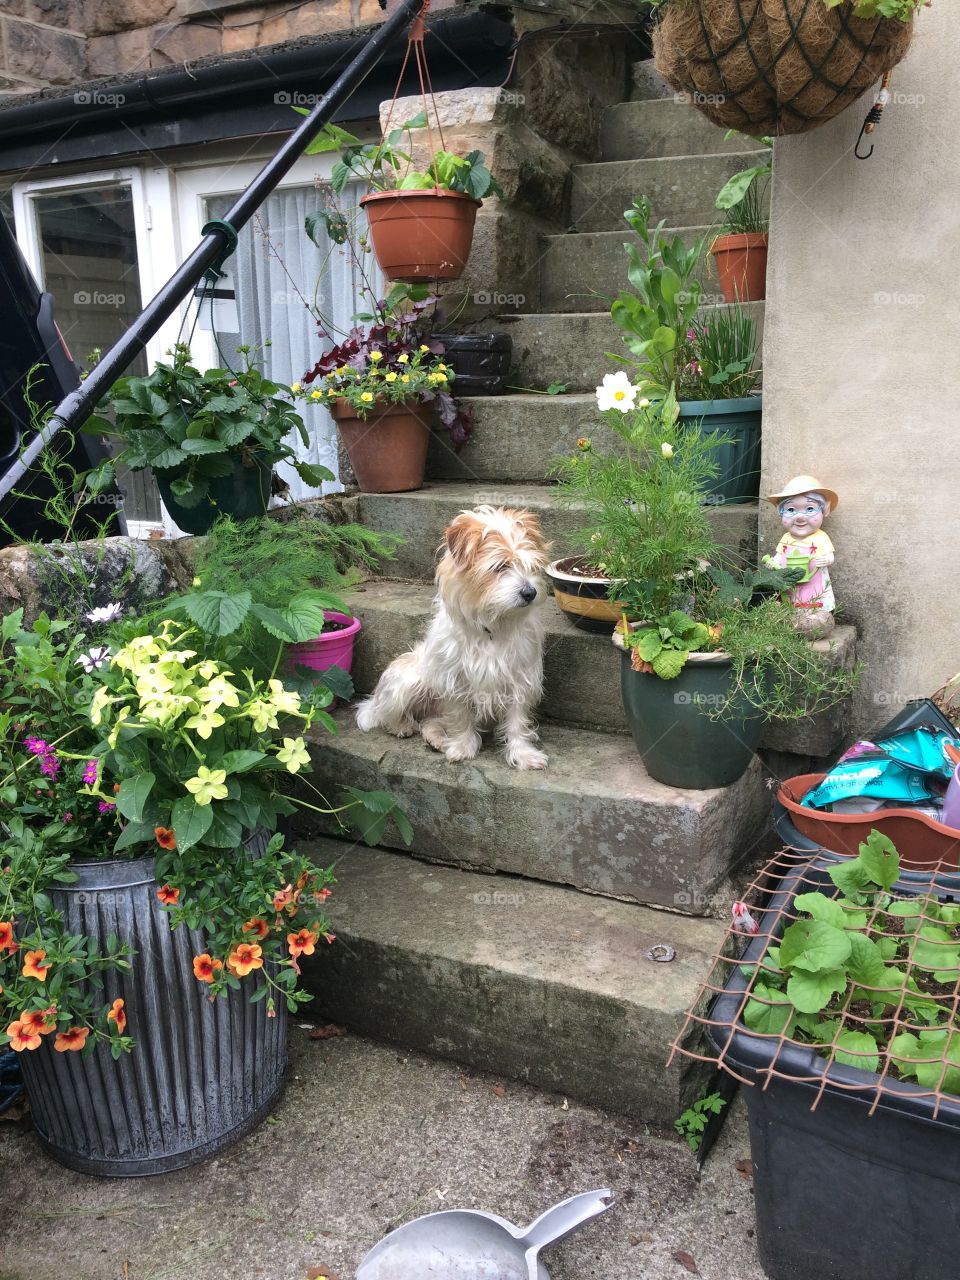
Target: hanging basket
{"type": "Point", "coordinates": [421, 235]}
{"type": "Point", "coordinates": [774, 66]}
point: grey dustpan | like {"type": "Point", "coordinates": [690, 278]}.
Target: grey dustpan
{"type": "Point", "coordinates": [466, 1244]}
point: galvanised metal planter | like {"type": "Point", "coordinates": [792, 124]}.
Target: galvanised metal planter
{"type": "Point", "coordinates": [201, 1074]}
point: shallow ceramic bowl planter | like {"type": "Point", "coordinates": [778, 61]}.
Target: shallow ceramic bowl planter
{"type": "Point", "coordinates": [421, 235]}
{"type": "Point", "coordinates": [840, 1193]}
{"type": "Point", "coordinates": [672, 727]}
{"type": "Point", "coordinates": [331, 648]}
{"type": "Point", "coordinates": [200, 1075]}
{"type": "Point", "coordinates": [583, 599]}
{"type": "Point", "coordinates": [243, 494]}
{"type": "Point", "coordinates": [738, 478]}
{"type": "Point", "coordinates": [741, 262]}
{"type": "Point", "coordinates": [387, 448]}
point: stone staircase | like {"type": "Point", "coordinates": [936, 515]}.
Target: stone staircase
{"type": "Point", "coordinates": [515, 935]}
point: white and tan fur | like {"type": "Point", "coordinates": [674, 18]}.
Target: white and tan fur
{"type": "Point", "coordinates": [480, 664]}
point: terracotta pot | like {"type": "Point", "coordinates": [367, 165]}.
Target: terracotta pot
{"type": "Point", "coordinates": [741, 262]}
{"type": "Point", "coordinates": [923, 843]}
{"type": "Point", "coordinates": [421, 235]}
{"type": "Point", "coordinates": [387, 448]}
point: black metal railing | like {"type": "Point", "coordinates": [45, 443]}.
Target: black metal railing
{"type": "Point", "coordinates": [75, 408]}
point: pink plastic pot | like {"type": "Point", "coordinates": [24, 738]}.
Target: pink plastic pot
{"type": "Point", "coordinates": [330, 649]}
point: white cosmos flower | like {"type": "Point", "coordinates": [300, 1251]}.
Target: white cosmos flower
{"type": "Point", "coordinates": [616, 392]}
{"type": "Point", "coordinates": [109, 613]}
{"type": "Point", "coordinates": [94, 659]}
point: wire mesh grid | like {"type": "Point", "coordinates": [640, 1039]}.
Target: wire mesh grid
{"type": "Point", "coordinates": [841, 974]}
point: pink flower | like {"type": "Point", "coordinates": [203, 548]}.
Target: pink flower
{"type": "Point", "coordinates": [68, 817]}
{"type": "Point", "coordinates": [50, 765]}
{"type": "Point", "coordinates": [743, 921]}
{"type": "Point", "coordinates": [90, 773]}
{"type": "Point", "coordinates": [36, 746]}
{"type": "Point", "coordinates": [106, 806]}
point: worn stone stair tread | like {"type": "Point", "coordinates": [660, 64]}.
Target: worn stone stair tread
{"type": "Point", "coordinates": [420, 517]}
{"type": "Point", "coordinates": [681, 189]}
{"type": "Point", "coordinates": [581, 668]}
{"type": "Point", "coordinates": [593, 819]}
{"type": "Point", "coordinates": [664, 127]}
{"type": "Point", "coordinates": [570, 346]}
{"type": "Point", "coordinates": [527, 980]}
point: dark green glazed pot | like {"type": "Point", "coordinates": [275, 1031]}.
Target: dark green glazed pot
{"type": "Point", "coordinates": [243, 494]}
{"type": "Point", "coordinates": [680, 745]}
{"type": "Point", "coordinates": [738, 479]}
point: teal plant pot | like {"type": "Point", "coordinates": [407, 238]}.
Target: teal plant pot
{"type": "Point", "coordinates": [738, 479]}
{"type": "Point", "coordinates": [680, 744]}
{"type": "Point", "coordinates": [243, 494]}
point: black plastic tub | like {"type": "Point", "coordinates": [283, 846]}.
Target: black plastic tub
{"type": "Point", "coordinates": [200, 1076]}
{"type": "Point", "coordinates": [841, 1194]}
{"type": "Point", "coordinates": [481, 361]}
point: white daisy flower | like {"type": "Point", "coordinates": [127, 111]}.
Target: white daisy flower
{"type": "Point", "coordinates": [616, 392]}
{"type": "Point", "coordinates": [109, 613]}
{"type": "Point", "coordinates": [94, 659]}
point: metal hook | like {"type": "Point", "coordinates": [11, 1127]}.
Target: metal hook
{"type": "Point", "coordinates": [863, 131]}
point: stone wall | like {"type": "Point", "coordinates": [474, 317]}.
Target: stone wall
{"type": "Point", "coordinates": [860, 349]}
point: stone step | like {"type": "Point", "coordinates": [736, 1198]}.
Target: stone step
{"type": "Point", "coordinates": [581, 669]}
{"type": "Point", "coordinates": [638, 130]}
{"type": "Point", "coordinates": [585, 271]}
{"type": "Point", "coordinates": [570, 347]}
{"type": "Point", "coordinates": [593, 819]}
{"type": "Point", "coordinates": [682, 189]}
{"type": "Point", "coordinates": [647, 83]}
{"type": "Point", "coordinates": [421, 516]}
{"type": "Point", "coordinates": [515, 437]}
{"type": "Point", "coordinates": [524, 980]}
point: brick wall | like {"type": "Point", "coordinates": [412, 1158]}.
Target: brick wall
{"type": "Point", "coordinates": [52, 43]}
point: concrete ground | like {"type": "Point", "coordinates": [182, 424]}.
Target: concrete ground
{"type": "Point", "coordinates": [366, 1137]}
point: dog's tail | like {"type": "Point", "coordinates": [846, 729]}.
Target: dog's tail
{"type": "Point", "coordinates": [394, 703]}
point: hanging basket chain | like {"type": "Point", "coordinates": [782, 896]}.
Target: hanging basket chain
{"type": "Point", "coordinates": [415, 44]}
{"type": "Point", "coordinates": [873, 118]}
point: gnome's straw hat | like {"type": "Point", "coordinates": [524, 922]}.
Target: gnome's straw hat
{"type": "Point", "coordinates": [804, 484]}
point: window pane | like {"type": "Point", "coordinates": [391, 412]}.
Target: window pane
{"type": "Point", "coordinates": [89, 261]}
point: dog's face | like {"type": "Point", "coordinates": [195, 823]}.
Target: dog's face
{"type": "Point", "coordinates": [492, 562]}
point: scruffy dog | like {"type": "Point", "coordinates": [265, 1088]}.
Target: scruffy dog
{"type": "Point", "coordinates": [480, 664]}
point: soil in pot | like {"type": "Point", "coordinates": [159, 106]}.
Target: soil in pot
{"type": "Point", "coordinates": [243, 494]}
{"type": "Point", "coordinates": [741, 262]}
{"type": "Point", "coordinates": [421, 235]}
{"type": "Point", "coordinates": [738, 477]}
{"type": "Point", "coordinates": [582, 594]}
{"type": "Point", "coordinates": [387, 448]}
{"type": "Point", "coordinates": [672, 727]}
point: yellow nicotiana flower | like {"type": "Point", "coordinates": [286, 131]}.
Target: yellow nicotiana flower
{"type": "Point", "coordinates": [153, 683]}
{"type": "Point", "coordinates": [205, 721]}
{"type": "Point", "coordinates": [263, 715]}
{"type": "Point", "coordinates": [209, 784]}
{"type": "Point", "coordinates": [218, 693]}
{"type": "Point", "coordinates": [293, 754]}
{"type": "Point", "coordinates": [165, 710]}
{"type": "Point", "coordinates": [285, 700]}
{"type": "Point", "coordinates": [101, 700]}
{"type": "Point", "coordinates": [114, 734]}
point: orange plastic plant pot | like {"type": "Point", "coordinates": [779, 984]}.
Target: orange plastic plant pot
{"type": "Point", "coordinates": [421, 235]}
{"type": "Point", "coordinates": [741, 262]}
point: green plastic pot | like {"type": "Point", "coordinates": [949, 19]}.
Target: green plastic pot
{"type": "Point", "coordinates": [738, 479]}
{"type": "Point", "coordinates": [243, 494]}
{"type": "Point", "coordinates": [680, 744]}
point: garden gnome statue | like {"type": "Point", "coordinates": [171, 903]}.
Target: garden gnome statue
{"type": "Point", "coordinates": [803, 505]}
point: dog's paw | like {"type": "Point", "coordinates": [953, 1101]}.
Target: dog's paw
{"type": "Point", "coordinates": [463, 748]}
{"type": "Point", "coordinates": [525, 756]}
{"type": "Point", "coordinates": [434, 734]}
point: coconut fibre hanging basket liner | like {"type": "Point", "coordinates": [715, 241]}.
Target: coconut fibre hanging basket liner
{"type": "Point", "coordinates": [773, 66]}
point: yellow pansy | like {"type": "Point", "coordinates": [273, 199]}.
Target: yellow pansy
{"type": "Point", "coordinates": [390, 377]}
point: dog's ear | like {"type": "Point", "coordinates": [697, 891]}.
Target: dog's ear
{"type": "Point", "coordinates": [530, 524]}
{"type": "Point", "coordinates": [462, 536]}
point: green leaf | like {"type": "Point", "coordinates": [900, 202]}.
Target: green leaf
{"type": "Point", "coordinates": [217, 613]}
{"type": "Point", "coordinates": [865, 965]}
{"type": "Point", "coordinates": [648, 645]}
{"type": "Point", "coordinates": [134, 833]}
{"type": "Point", "coordinates": [190, 821]}
{"type": "Point", "coordinates": [166, 458]}
{"type": "Point", "coordinates": [820, 907]}
{"type": "Point", "coordinates": [770, 1013]}
{"type": "Point", "coordinates": [851, 879]}
{"type": "Point", "coordinates": [133, 795]}
{"type": "Point", "coordinates": [811, 992]}
{"type": "Point", "coordinates": [814, 946]}
{"type": "Point", "coordinates": [312, 473]}
{"type": "Point", "coordinates": [276, 624]}
{"type": "Point", "coordinates": [241, 761]}
{"type": "Point", "coordinates": [339, 682]}
{"type": "Point", "coordinates": [880, 860]}
{"type": "Point", "coordinates": [857, 1049]}
{"type": "Point", "coordinates": [669, 663]}
{"type": "Point", "coordinates": [936, 948]}
{"type": "Point", "coordinates": [205, 445]}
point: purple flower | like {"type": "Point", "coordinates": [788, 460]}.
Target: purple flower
{"type": "Point", "coordinates": [68, 817]}
{"type": "Point", "coordinates": [36, 745]}
{"type": "Point", "coordinates": [106, 806]}
{"type": "Point", "coordinates": [50, 765]}
{"type": "Point", "coordinates": [90, 773]}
